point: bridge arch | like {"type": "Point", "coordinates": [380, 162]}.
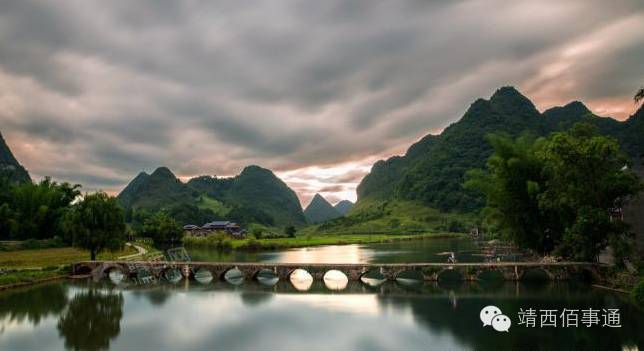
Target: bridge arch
{"type": "Point", "coordinates": [536, 274]}
{"type": "Point", "coordinates": [83, 269]}
{"type": "Point", "coordinates": [410, 276]}
{"type": "Point", "coordinates": [234, 275]}
{"type": "Point", "coordinates": [373, 278]}
{"type": "Point", "coordinates": [301, 279]}
{"type": "Point", "coordinates": [266, 276]}
{"type": "Point", "coordinates": [171, 274]}
{"type": "Point", "coordinates": [335, 279]}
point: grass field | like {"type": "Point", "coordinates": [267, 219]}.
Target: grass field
{"type": "Point", "coordinates": [394, 217]}
{"type": "Point", "coordinates": [53, 257]}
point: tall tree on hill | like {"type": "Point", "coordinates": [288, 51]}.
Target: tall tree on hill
{"type": "Point", "coordinates": [562, 190]}
{"type": "Point", "coordinates": [96, 223]}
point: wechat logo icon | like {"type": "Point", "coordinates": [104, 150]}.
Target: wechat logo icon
{"type": "Point", "coordinates": [492, 316]}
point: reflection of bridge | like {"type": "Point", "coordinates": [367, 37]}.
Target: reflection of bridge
{"type": "Point", "coordinates": [427, 271]}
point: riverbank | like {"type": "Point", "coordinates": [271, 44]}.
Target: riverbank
{"type": "Point", "coordinates": [226, 243]}
{"type": "Point", "coordinates": [26, 267]}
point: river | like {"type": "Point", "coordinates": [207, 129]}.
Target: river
{"type": "Point", "coordinates": [217, 315]}
{"type": "Point", "coordinates": [465, 249]}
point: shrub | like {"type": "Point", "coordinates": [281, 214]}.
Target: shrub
{"type": "Point", "coordinates": [638, 294]}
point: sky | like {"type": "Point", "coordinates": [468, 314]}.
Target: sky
{"type": "Point", "coordinates": [94, 91]}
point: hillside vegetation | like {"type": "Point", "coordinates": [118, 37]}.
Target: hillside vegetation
{"type": "Point", "coordinates": [256, 195]}
{"type": "Point", "coordinates": [433, 169]}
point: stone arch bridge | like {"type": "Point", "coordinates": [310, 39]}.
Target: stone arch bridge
{"type": "Point", "coordinates": [512, 271]}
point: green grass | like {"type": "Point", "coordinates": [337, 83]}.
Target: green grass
{"type": "Point", "coordinates": [31, 276]}
{"type": "Point", "coordinates": [206, 202]}
{"type": "Point", "coordinates": [306, 240]}
{"type": "Point", "coordinates": [53, 257]}
{"type": "Point", "coordinates": [394, 217]}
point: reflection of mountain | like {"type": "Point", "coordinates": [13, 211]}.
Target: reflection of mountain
{"type": "Point", "coordinates": [33, 304]}
{"type": "Point", "coordinates": [92, 319]}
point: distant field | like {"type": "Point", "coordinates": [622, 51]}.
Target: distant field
{"type": "Point", "coordinates": [52, 257]}
{"type": "Point", "coordinates": [309, 240]}
{"type": "Point", "coordinates": [394, 217]}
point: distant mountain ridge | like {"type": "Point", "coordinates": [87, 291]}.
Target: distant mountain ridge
{"type": "Point", "coordinates": [343, 207]}
{"type": "Point", "coordinates": [255, 195]}
{"type": "Point", "coordinates": [9, 166]}
{"type": "Point", "coordinates": [433, 169]}
{"type": "Point", "coordinates": [320, 210]}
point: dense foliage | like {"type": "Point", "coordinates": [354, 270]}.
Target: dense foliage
{"type": "Point", "coordinates": [638, 294]}
{"type": "Point", "coordinates": [163, 230]}
{"type": "Point", "coordinates": [34, 211]}
{"type": "Point", "coordinates": [561, 192]}
{"type": "Point", "coordinates": [433, 169]}
{"type": "Point", "coordinates": [96, 223]}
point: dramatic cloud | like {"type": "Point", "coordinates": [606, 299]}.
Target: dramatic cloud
{"type": "Point", "coordinates": [96, 91]}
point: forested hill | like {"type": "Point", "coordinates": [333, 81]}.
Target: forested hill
{"type": "Point", "coordinates": [9, 166]}
{"type": "Point", "coordinates": [256, 195]}
{"type": "Point", "coordinates": [433, 169]}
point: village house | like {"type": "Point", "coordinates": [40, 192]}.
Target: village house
{"type": "Point", "coordinates": [231, 228]}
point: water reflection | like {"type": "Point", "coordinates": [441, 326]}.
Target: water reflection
{"type": "Point", "coordinates": [92, 320]}
{"type": "Point", "coordinates": [192, 316]}
{"type": "Point", "coordinates": [32, 304]}
{"type": "Point", "coordinates": [465, 249]}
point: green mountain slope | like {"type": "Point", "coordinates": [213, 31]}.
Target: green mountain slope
{"type": "Point", "coordinates": [255, 195]}
{"type": "Point", "coordinates": [433, 170]}
{"type": "Point", "coordinates": [9, 166]}
{"type": "Point", "coordinates": [320, 210]}
{"type": "Point", "coordinates": [255, 188]}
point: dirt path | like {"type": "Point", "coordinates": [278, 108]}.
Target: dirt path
{"type": "Point", "coordinates": [141, 251]}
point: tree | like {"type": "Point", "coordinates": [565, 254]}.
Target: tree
{"type": "Point", "coordinates": [163, 230]}
{"type": "Point", "coordinates": [559, 192]}
{"type": "Point", "coordinates": [290, 231]}
{"type": "Point", "coordinates": [39, 208]}
{"type": "Point", "coordinates": [511, 185]}
{"type": "Point", "coordinates": [639, 95]}
{"type": "Point", "coordinates": [587, 179]}
{"type": "Point", "coordinates": [96, 223]}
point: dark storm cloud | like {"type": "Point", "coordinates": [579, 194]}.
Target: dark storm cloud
{"type": "Point", "coordinates": [96, 91]}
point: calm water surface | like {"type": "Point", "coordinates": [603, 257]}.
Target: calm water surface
{"type": "Point", "coordinates": [218, 316]}
{"type": "Point", "coordinates": [429, 250]}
